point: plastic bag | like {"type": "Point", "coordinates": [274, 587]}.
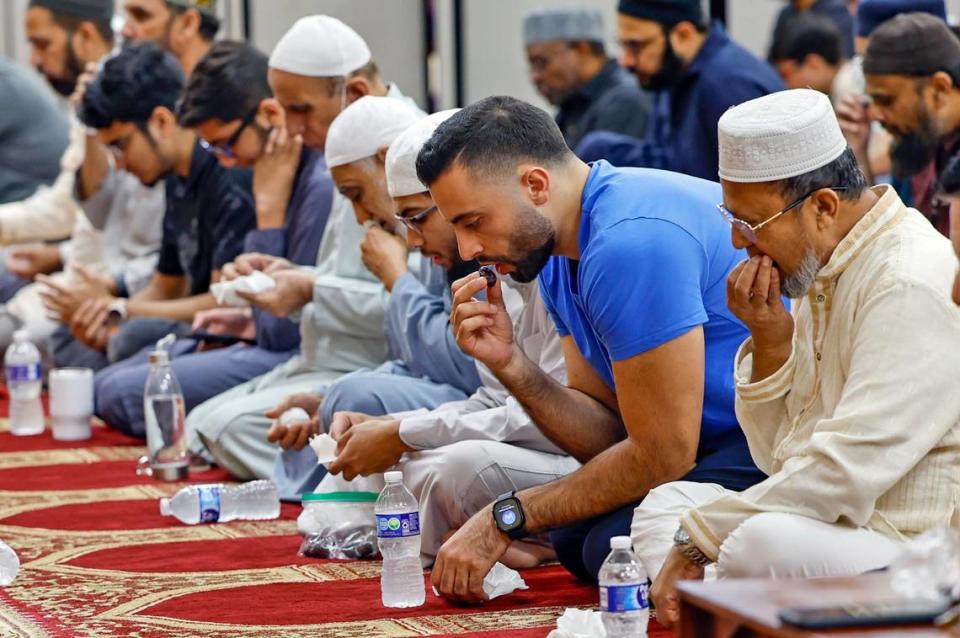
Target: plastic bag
{"type": "Point", "coordinates": [339, 525]}
{"type": "Point", "coordinates": [929, 566]}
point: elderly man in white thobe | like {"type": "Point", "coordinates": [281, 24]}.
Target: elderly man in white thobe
{"type": "Point", "coordinates": [850, 403]}
{"type": "Point", "coordinates": [319, 67]}
{"type": "Point", "coordinates": [459, 457]}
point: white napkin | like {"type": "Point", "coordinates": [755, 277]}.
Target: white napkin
{"type": "Point", "coordinates": [325, 447]}
{"type": "Point", "coordinates": [293, 416]}
{"type": "Point", "coordinates": [225, 292]}
{"type": "Point", "coordinates": [499, 581]}
{"type": "Point", "coordinates": [579, 623]}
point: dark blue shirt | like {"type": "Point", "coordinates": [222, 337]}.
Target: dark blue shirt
{"type": "Point", "coordinates": [298, 241]}
{"type": "Point", "coordinates": [208, 215]}
{"type": "Point", "coordinates": [682, 133]}
{"type": "Point", "coordinates": [654, 259]}
{"type": "Point", "coordinates": [610, 101]}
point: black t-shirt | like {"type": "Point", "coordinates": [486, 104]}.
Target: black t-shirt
{"type": "Point", "coordinates": [207, 219]}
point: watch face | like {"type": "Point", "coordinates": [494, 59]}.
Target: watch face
{"type": "Point", "coordinates": [508, 514]}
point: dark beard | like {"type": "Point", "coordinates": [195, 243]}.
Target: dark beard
{"type": "Point", "coordinates": [534, 240]}
{"type": "Point", "coordinates": [67, 84]}
{"type": "Point", "coordinates": [671, 69]}
{"type": "Point", "coordinates": [910, 154]}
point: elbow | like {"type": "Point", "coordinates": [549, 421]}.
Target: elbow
{"type": "Point", "coordinates": [676, 460]}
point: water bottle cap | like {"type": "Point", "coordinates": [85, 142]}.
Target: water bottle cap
{"type": "Point", "coordinates": [164, 507]}
{"type": "Point", "coordinates": [21, 336]}
{"type": "Point", "coordinates": [393, 477]}
{"type": "Point", "coordinates": [621, 542]}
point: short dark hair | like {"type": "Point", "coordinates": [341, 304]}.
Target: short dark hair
{"type": "Point", "coordinates": [489, 134]}
{"type": "Point", "coordinates": [228, 84]}
{"type": "Point", "coordinates": [841, 172]}
{"type": "Point", "coordinates": [131, 85]}
{"type": "Point", "coordinates": [209, 23]}
{"type": "Point", "coordinates": [809, 34]}
{"type": "Point", "coordinates": [71, 23]}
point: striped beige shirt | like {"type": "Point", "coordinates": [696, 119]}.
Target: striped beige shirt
{"type": "Point", "coordinates": [861, 425]}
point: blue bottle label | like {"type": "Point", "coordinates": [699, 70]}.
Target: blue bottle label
{"type": "Point", "coordinates": [398, 525]}
{"type": "Point", "coordinates": [209, 504]}
{"type": "Point", "coordinates": [617, 598]}
{"type": "Point", "coordinates": [29, 372]}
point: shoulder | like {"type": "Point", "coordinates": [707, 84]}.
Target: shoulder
{"type": "Point", "coordinates": [735, 67]}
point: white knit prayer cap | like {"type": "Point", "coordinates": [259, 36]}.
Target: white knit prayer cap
{"type": "Point", "coordinates": [365, 126]}
{"type": "Point", "coordinates": [320, 46]}
{"type": "Point", "coordinates": [401, 166]}
{"type": "Point", "coordinates": [778, 136]}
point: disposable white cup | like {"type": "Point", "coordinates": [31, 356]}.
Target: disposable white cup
{"type": "Point", "coordinates": [71, 403]}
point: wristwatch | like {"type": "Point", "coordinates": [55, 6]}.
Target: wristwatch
{"type": "Point", "coordinates": [117, 312]}
{"type": "Point", "coordinates": [682, 541]}
{"type": "Point", "coordinates": [508, 516]}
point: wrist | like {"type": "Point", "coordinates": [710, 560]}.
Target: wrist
{"type": "Point", "coordinates": [398, 441]}
{"type": "Point", "coordinates": [269, 213]}
{"type": "Point", "coordinates": [391, 276]}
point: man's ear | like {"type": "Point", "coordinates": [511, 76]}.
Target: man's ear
{"type": "Point", "coordinates": [270, 114]}
{"type": "Point", "coordinates": [828, 207]}
{"type": "Point", "coordinates": [382, 154]}
{"type": "Point", "coordinates": [942, 85]}
{"type": "Point", "coordinates": [357, 87]}
{"type": "Point", "coordinates": [535, 181]}
{"type": "Point", "coordinates": [84, 40]}
{"type": "Point", "coordinates": [162, 122]}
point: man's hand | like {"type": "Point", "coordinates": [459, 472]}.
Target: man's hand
{"type": "Point", "coordinates": [62, 299]}
{"type": "Point", "coordinates": [89, 323]}
{"type": "Point", "coordinates": [234, 322]}
{"type": "Point", "coordinates": [294, 290]}
{"type": "Point", "coordinates": [483, 329]}
{"type": "Point", "coordinates": [753, 295]}
{"type": "Point", "coordinates": [384, 254]}
{"type": "Point", "coordinates": [83, 81]}
{"type": "Point", "coordinates": [467, 557]}
{"type": "Point", "coordinates": [31, 260]}
{"type": "Point", "coordinates": [343, 421]}
{"type": "Point", "coordinates": [273, 177]}
{"type": "Point", "coordinates": [248, 262]}
{"type": "Point", "coordinates": [854, 116]}
{"type": "Point", "coordinates": [369, 448]}
{"type": "Point", "coordinates": [664, 590]}
{"type": "Point", "coordinates": [295, 435]}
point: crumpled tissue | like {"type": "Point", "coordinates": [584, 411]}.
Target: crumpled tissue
{"type": "Point", "coordinates": [325, 447]}
{"type": "Point", "coordinates": [929, 566]}
{"type": "Point", "coordinates": [225, 292]}
{"type": "Point", "coordinates": [294, 416]}
{"type": "Point", "coordinates": [579, 623]}
{"type": "Point", "coordinates": [500, 581]}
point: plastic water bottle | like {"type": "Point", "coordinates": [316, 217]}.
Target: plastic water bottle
{"type": "Point", "coordinates": [398, 535]}
{"type": "Point", "coordinates": [253, 501]}
{"type": "Point", "coordinates": [9, 564]}
{"type": "Point", "coordinates": [165, 416]}
{"type": "Point", "coordinates": [624, 590]}
{"type": "Point", "coordinates": [24, 381]}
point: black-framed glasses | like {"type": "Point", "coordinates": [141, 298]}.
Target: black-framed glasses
{"type": "Point", "coordinates": [413, 221]}
{"type": "Point", "coordinates": [749, 232]}
{"type": "Point", "coordinates": [225, 149]}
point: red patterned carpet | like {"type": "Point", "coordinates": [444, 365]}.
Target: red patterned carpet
{"type": "Point", "coordinates": [99, 560]}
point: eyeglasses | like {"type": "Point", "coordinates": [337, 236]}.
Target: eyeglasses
{"type": "Point", "coordinates": [748, 231]}
{"type": "Point", "coordinates": [225, 149]}
{"type": "Point", "coordinates": [413, 222]}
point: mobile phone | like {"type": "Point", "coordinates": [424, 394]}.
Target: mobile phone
{"type": "Point", "coordinates": [907, 611]}
{"type": "Point", "coordinates": [225, 340]}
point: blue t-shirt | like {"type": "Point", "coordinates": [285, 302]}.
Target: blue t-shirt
{"type": "Point", "coordinates": [654, 258]}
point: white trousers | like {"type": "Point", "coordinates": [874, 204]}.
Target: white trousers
{"type": "Point", "coordinates": [768, 545]}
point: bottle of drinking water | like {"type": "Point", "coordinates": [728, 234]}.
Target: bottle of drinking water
{"type": "Point", "coordinates": [9, 564]}
{"type": "Point", "coordinates": [623, 591]}
{"type": "Point", "coordinates": [164, 413]}
{"type": "Point", "coordinates": [24, 381]}
{"type": "Point", "coordinates": [253, 501]}
{"type": "Point", "coordinates": [398, 535]}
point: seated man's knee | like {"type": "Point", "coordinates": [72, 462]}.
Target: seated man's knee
{"type": "Point", "coordinates": [354, 393]}
{"type": "Point", "coordinates": [760, 547]}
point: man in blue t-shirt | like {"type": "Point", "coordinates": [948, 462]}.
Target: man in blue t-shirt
{"type": "Point", "coordinates": [633, 266]}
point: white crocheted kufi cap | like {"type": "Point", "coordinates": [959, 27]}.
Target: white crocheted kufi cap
{"type": "Point", "coordinates": [401, 162]}
{"type": "Point", "coordinates": [778, 136]}
{"type": "Point", "coordinates": [365, 126]}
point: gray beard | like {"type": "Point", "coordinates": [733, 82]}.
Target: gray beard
{"type": "Point", "coordinates": [798, 283]}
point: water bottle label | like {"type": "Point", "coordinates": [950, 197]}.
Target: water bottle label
{"type": "Point", "coordinates": [617, 598]}
{"type": "Point", "coordinates": [209, 504]}
{"type": "Point", "coordinates": [29, 372]}
{"type": "Point", "coordinates": [398, 525]}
